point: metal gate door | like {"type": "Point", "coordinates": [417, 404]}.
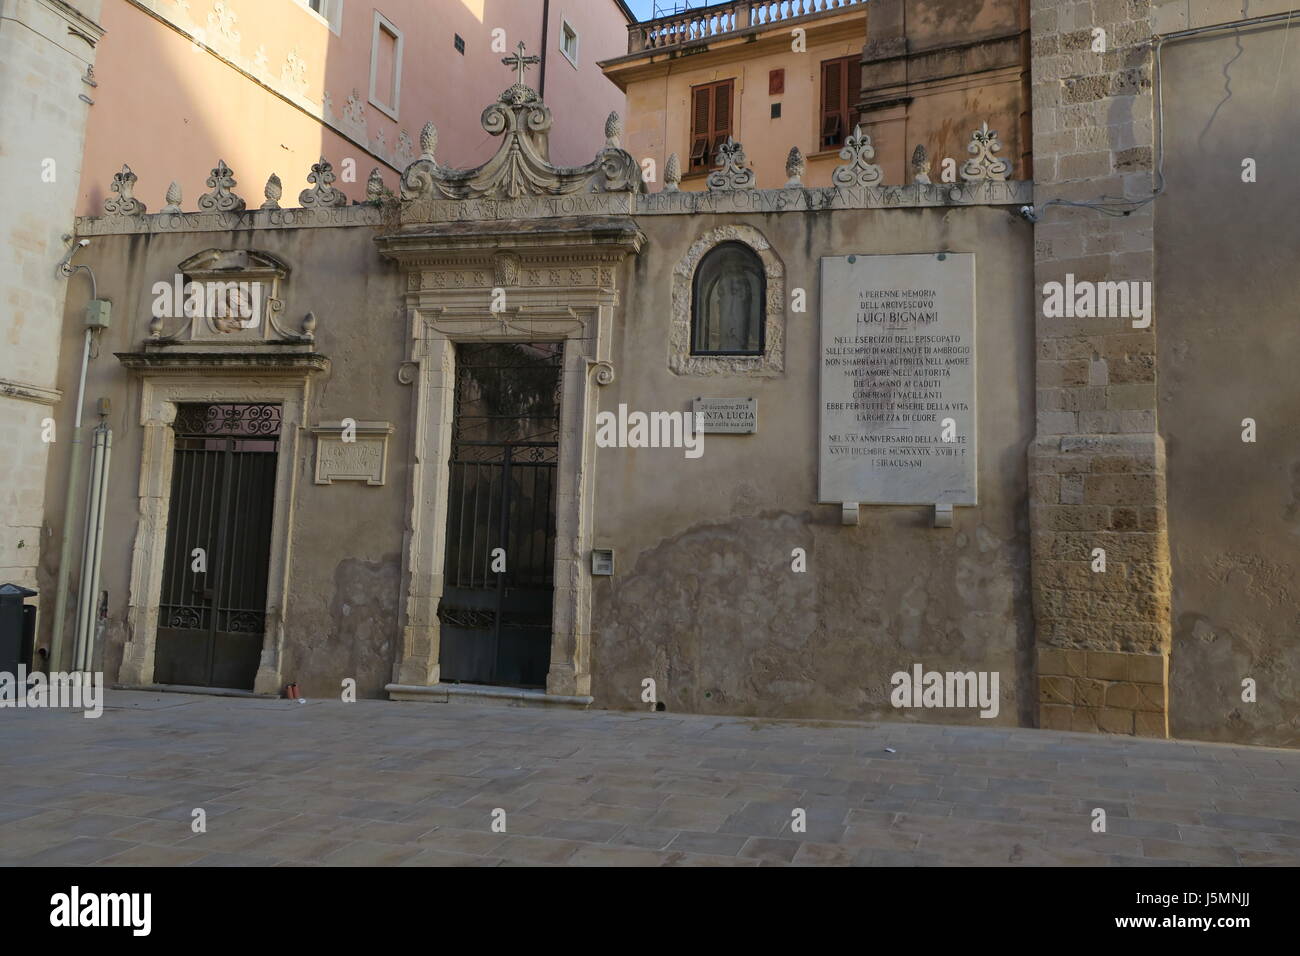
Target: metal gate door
{"type": "Point", "coordinates": [496, 624]}
{"type": "Point", "coordinates": [212, 613]}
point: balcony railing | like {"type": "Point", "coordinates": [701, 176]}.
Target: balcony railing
{"type": "Point", "coordinates": [723, 18]}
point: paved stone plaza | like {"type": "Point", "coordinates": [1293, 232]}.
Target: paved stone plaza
{"type": "Point", "coordinates": [379, 783]}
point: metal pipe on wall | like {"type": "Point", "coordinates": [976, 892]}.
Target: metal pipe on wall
{"type": "Point", "coordinates": [96, 567]}
{"type": "Point", "coordinates": [55, 662]}
{"type": "Point", "coordinates": [92, 548]}
{"type": "Point", "coordinates": [541, 73]}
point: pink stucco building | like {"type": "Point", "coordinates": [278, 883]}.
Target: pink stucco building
{"type": "Point", "coordinates": [271, 85]}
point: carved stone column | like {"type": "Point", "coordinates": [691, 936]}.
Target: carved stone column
{"type": "Point", "coordinates": [148, 552]}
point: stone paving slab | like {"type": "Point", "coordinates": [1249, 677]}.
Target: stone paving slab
{"type": "Point", "coordinates": [375, 783]}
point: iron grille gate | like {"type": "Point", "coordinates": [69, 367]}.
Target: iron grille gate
{"type": "Point", "coordinates": [211, 621]}
{"type": "Point", "coordinates": [496, 626]}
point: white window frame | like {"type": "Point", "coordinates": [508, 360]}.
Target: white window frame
{"type": "Point", "coordinates": [383, 23]}
{"type": "Point", "coordinates": [566, 25]}
{"type": "Point", "coordinates": [331, 13]}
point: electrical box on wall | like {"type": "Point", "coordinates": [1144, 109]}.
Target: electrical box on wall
{"type": "Point", "coordinates": [98, 312]}
{"type": "Point", "coordinates": [602, 562]}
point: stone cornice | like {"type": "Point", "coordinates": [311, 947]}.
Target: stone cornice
{"type": "Point", "coordinates": [886, 52]}
{"type": "Point", "coordinates": [914, 195]}
{"type": "Point", "coordinates": [584, 238]}
{"type": "Point", "coordinates": [260, 360]}
{"type": "Point", "coordinates": [361, 214]}
{"type": "Point", "coordinates": [30, 393]}
{"type": "Point", "coordinates": [78, 23]}
{"type": "Point", "coordinates": [477, 223]}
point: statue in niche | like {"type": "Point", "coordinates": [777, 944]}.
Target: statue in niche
{"type": "Point", "coordinates": [728, 302]}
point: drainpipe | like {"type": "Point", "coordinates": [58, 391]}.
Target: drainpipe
{"type": "Point", "coordinates": [1026, 96]}
{"type": "Point", "coordinates": [541, 74]}
{"type": "Point", "coordinates": [54, 663]}
{"type": "Point", "coordinates": [93, 543]}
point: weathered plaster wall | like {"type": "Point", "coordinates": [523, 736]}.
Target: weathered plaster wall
{"type": "Point", "coordinates": [1225, 280]}
{"type": "Point", "coordinates": [346, 538]}
{"type": "Point", "coordinates": [703, 598]}
{"type": "Point", "coordinates": [935, 69]}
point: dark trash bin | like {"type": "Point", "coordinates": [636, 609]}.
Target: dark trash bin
{"type": "Point", "coordinates": [17, 627]}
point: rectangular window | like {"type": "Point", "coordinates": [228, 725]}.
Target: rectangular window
{"type": "Point", "coordinates": [841, 84]}
{"type": "Point", "coordinates": [331, 11]}
{"type": "Point", "coordinates": [569, 42]}
{"type": "Point", "coordinates": [385, 66]}
{"type": "Point", "coordinates": [712, 109]}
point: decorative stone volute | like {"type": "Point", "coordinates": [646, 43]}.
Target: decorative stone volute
{"type": "Point", "coordinates": [732, 171]}
{"type": "Point", "coordinates": [322, 193]}
{"type": "Point", "coordinates": [983, 165]}
{"type": "Point", "coordinates": [858, 169]}
{"type": "Point", "coordinates": [221, 198]}
{"type": "Point", "coordinates": [124, 203]}
{"type": "Point", "coordinates": [522, 165]}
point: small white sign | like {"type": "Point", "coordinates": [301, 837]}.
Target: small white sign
{"type": "Point", "coordinates": [735, 416]}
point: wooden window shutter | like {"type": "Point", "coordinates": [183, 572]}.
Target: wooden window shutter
{"type": "Point", "coordinates": [832, 102]}
{"type": "Point", "coordinates": [721, 117]}
{"type": "Point", "coordinates": [852, 90]}
{"type": "Point", "coordinates": [701, 123]}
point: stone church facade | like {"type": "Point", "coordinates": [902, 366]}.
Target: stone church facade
{"type": "Point", "coordinates": [393, 467]}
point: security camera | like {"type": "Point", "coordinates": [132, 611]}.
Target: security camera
{"type": "Point", "coordinates": [83, 242]}
{"type": "Point", "coordinates": [1027, 212]}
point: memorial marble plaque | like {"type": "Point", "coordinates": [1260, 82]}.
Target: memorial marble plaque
{"type": "Point", "coordinates": [898, 380]}
{"type": "Point", "coordinates": [736, 416]}
{"type": "Point", "coordinates": [352, 451]}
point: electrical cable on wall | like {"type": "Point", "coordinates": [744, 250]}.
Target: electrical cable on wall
{"type": "Point", "coordinates": [1117, 206]}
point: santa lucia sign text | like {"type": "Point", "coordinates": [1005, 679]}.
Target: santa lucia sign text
{"type": "Point", "coordinates": [898, 379]}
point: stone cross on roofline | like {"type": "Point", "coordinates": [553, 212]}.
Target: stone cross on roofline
{"type": "Point", "coordinates": [519, 62]}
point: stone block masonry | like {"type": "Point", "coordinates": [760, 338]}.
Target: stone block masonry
{"type": "Point", "coordinates": [47, 49]}
{"type": "Point", "coordinates": [1097, 464]}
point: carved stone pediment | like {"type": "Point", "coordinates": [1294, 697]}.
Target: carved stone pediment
{"type": "Point", "coordinates": [522, 165]}
{"type": "Point", "coordinates": [223, 297]}
{"type": "Point", "coordinates": [219, 262]}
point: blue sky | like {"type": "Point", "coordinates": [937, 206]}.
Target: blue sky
{"type": "Point", "coordinates": [644, 8]}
